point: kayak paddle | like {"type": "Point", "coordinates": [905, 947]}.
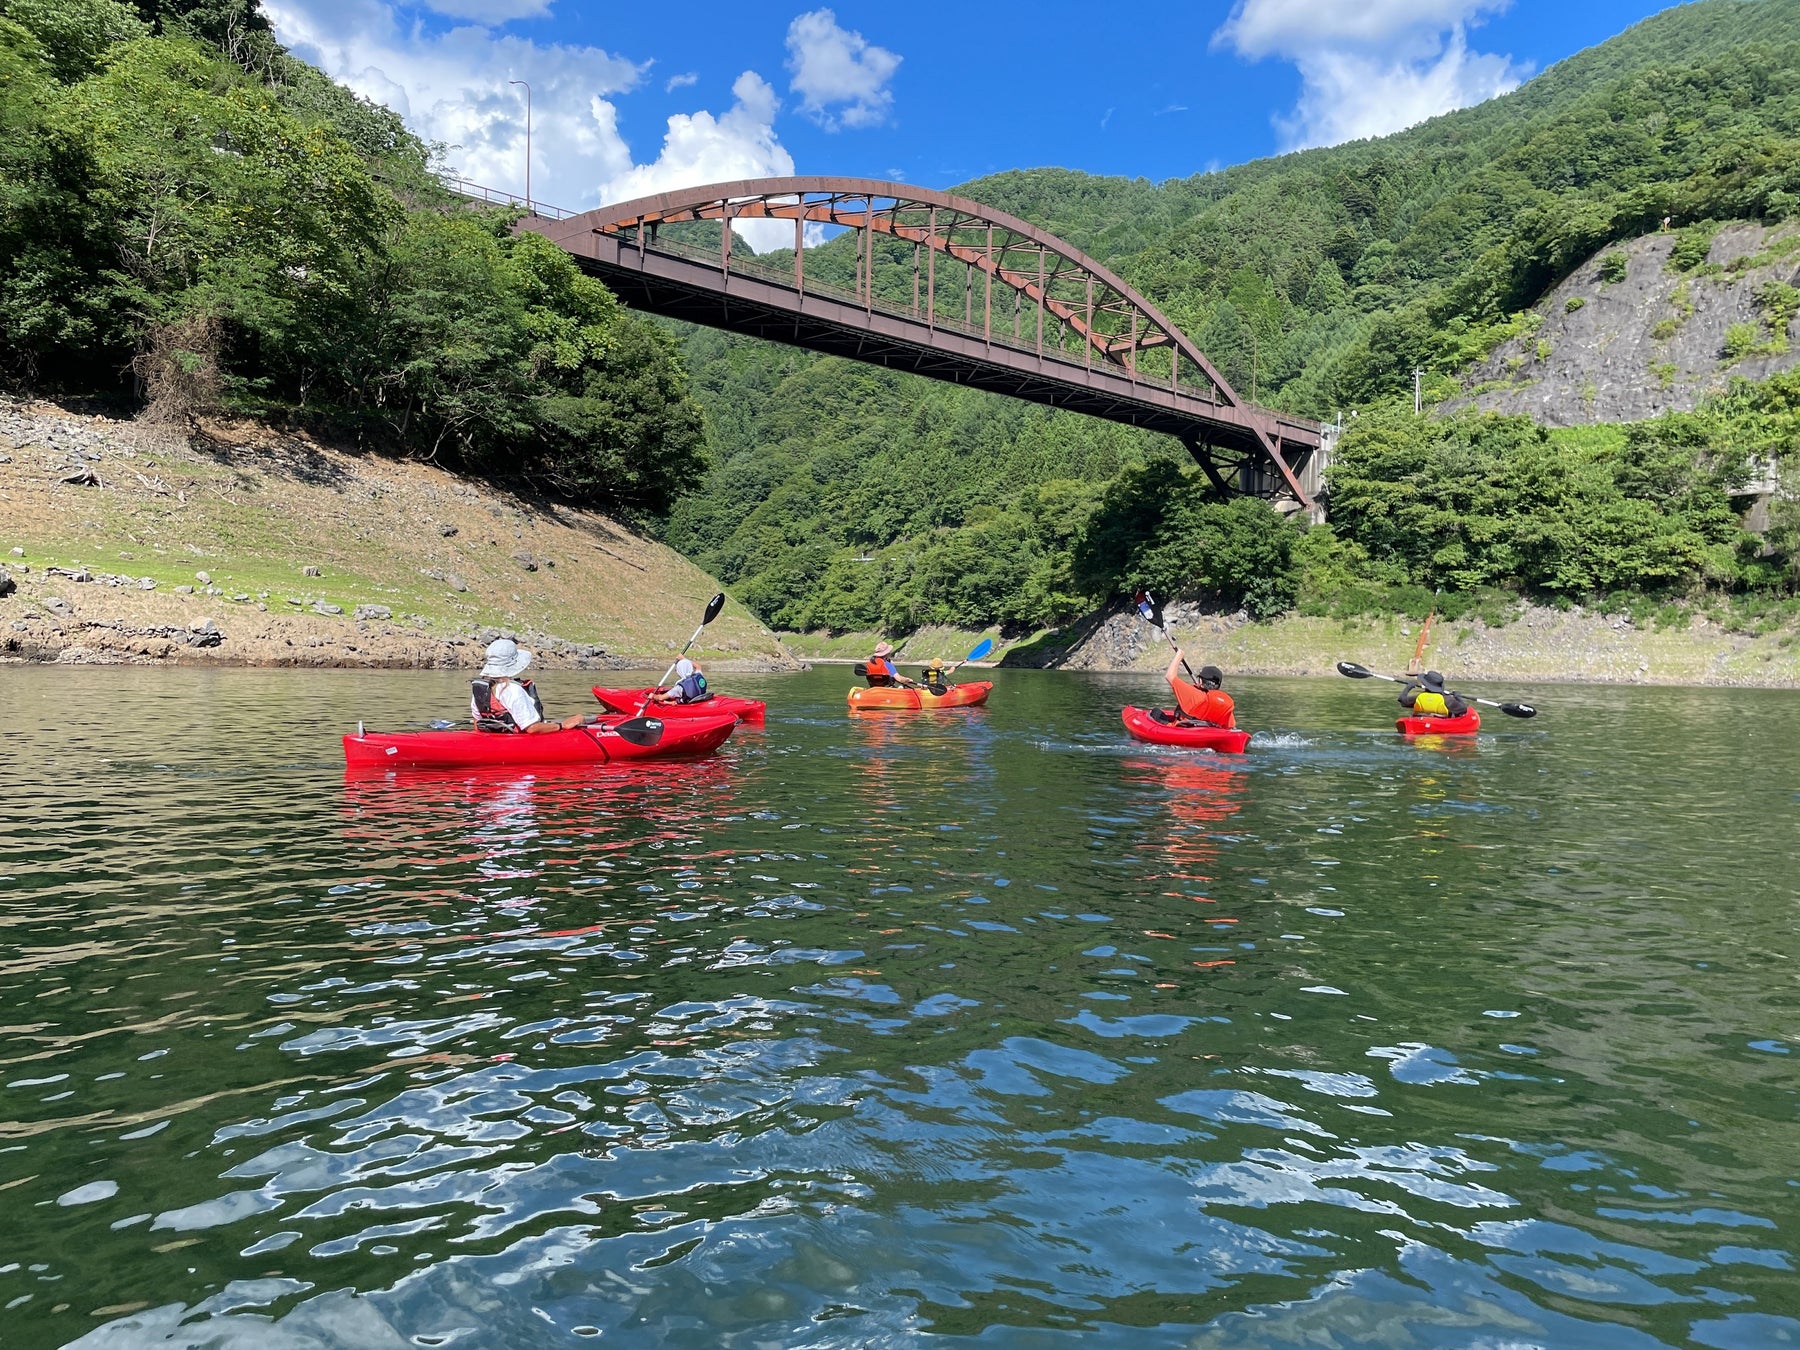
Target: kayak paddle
{"type": "Point", "coordinates": [647, 731]}
{"type": "Point", "coordinates": [1356, 672]}
{"type": "Point", "coordinates": [980, 650]}
{"type": "Point", "coordinates": [1147, 606]}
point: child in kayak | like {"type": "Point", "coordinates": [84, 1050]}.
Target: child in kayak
{"type": "Point", "coordinates": [501, 701]}
{"type": "Point", "coordinates": [1207, 704]}
{"type": "Point", "coordinates": [689, 685]}
{"type": "Point", "coordinates": [881, 671]}
{"type": "Point", "coordinates": [1427, 697]}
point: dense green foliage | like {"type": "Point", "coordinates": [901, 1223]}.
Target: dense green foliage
{"type": "Point", "coordinates": [185, 205]}
{"type": "Point", "coordinates": [192, 218]}
{"type": "Point", "coordinates": [843, 498]}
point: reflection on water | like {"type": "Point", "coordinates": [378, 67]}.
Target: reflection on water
{"type": "Point", "coordinates": [884, 1029]}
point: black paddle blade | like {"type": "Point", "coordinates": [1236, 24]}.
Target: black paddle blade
{"type": "Point", "coordinates": [860, 669]}
{"type": "Point", "coordinates": [713, 606]}
{"type": "Point", "coordinates": [1355, 671]}
{"type": "Point", "coordinates": [1518, 710]}
{"type": "Point", "coordinates": [644, 731]}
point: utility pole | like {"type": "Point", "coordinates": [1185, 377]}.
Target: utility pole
{"type": "Point", "coordinates": [528, 209]}
{"type": "Point", "coordinates": [1254, 346]}
{"type": "Point", "coordinates": [1418, 390]}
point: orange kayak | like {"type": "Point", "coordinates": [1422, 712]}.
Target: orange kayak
{"type": "Point", "coordinates": [901, 699]}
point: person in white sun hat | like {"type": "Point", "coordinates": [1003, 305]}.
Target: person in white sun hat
{"type": "Point", "coordinates": [500, 701]}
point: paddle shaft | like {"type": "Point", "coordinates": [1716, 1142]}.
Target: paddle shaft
{"type": "Point", "coordinates": [637, 724]}
{"type": "Point", "coordinates": [1156, 622]}
{"type": "Point", "coordinates": [1485, 702]}
{"type": "Point", "coordinates": [677, 661]}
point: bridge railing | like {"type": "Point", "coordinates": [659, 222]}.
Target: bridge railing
{"type": "Point", "coordinates": [477, 192]}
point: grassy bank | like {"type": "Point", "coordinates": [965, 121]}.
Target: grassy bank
{"type": "Point", "coordinates": [301, 552]}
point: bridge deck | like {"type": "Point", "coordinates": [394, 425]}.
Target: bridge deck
{"type": "Point", "coordinates": [674, 282]}
{"type": "Point", "coordinates": [1077, 337]}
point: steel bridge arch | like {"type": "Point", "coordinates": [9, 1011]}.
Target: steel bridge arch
{"type": "Point", "coordinates": [1112, 323]}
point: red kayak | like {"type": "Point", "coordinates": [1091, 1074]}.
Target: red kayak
{"type": "Point", "coordinates": [1466, 725]}
{"type": "Point", "coordinates": [468, 749]}
{"type": "Point", "coordinates": [1144, 727]}
{"type": "Point", "coordinates": [627, 700]}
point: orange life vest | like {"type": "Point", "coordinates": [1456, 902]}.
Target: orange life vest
{"type": "Point", "coordinates": [1212, 706]}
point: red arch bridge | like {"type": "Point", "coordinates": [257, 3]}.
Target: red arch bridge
{"type": "Point", "coordinates": [943, 287]}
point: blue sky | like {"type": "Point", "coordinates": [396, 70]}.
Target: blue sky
{"type": "Point", "coordinates": [635, 98]}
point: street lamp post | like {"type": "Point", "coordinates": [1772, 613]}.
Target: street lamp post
{"type": "Point", "coordinates": [528, 209]}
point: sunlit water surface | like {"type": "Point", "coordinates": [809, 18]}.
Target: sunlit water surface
{"type": "Point", "coordinates": [987, 1026]}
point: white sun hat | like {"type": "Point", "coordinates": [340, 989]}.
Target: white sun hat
{"type": "Point", "coordinates": [505, 659]}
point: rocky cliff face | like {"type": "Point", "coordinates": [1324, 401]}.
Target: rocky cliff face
{"type": "Point", "coordinates": [1629, 335]}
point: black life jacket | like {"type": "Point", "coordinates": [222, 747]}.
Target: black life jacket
{"type": "Point", "coordinates": [490, 713]}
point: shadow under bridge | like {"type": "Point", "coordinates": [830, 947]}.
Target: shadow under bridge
{"type": "Point", "coordinates": [947, 288]}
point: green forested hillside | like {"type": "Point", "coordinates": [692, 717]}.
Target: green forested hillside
{"type": "Point", "coordinates": [191, 218]}
{"type": "Point", "coordinates": [1319, 279]}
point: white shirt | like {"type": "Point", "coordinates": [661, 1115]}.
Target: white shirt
{"type": "Point", "coordinates": [511, 696]}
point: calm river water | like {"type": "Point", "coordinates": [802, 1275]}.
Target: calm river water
{"type": "Point", "coordinates": [984, 1027]}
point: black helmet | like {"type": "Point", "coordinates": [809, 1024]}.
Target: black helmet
{"type": "Point", "coordinates": [1211, 676]}
{"type": "Point", "coordinates": [1433, 681]}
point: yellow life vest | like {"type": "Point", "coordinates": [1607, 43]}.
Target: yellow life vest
{"type": "Point", "coordinates": [1430, 704]}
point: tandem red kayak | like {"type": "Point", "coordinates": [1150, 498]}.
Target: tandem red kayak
{"type": "Point", "coordinates": [627, 701]}
{"type": "Point", "coordinates": [1466, 725]}
{"type": "Point", "coordinates": [598, 744]}
{"type": "Point", "coordinates": [1144, 727]}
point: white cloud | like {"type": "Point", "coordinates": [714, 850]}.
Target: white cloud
{"type": "Point", "coordinates": [452, 87]}
{"type": "Point", "coordinates": [490, 11]}
{"type": "Point", "coordinates": [1371, 68]}
{"type": "Point", "coordinates": [834, 68]}
{"type": "Point", "coordinates": [680, 82]}
{"type": "Point", "coordinates": [700, 148]}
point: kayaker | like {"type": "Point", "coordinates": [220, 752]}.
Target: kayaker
{"type": "Point", "coordinates": [1427, 697]}
{"type": "Point", "coordinates": [881, 672]}
{"type": "Point", "coordinates": [1207, 703]}
{"type": "Point", "coordinates": [689, 685]}
{"type": "Point", "coordinates": [501, 701]}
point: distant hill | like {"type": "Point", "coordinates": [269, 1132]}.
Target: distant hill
{"type": "Point", "coordinates": [848, 497]}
